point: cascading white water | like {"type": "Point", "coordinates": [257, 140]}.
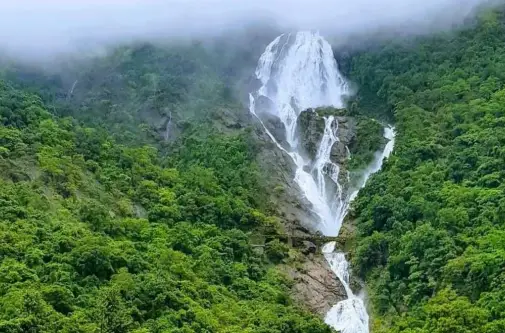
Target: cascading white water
{"type": "Point", "coordinates": [348, 316]}
{"type": "Point", "coordinates": [298, 72]}
{"type": "Point", "coordinates": [376, 165]}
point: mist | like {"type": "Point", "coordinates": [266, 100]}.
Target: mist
{"type": "Point", "coordinates": [34, 28]}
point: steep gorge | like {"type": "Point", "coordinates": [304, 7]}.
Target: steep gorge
{"type": "Point", "coordinates": [298, 72]}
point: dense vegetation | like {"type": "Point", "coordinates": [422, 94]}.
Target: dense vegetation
{"type": "Point", "coordinates": [432, 225]}
{"type": "Point", "coordinates": [133, 91]}
{"type": "Point", "coordinates": [102, 236]}
{"type": "Point", "coordinates": [105, 228]}
{"type": "Point", "coordinates": [369, 140]}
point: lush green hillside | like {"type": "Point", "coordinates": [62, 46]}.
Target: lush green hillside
{"type": "Point", "coordinates": [133, 90]}
{"type": "Point", "coordinates": [98, 236]}
{"type": "Point", "coordinates": [104, 227]}
{"type": "Point", "coordinates": [432, 224]}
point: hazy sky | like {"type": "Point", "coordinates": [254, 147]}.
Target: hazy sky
{"type": "Point", "coordinates": [46, 26]}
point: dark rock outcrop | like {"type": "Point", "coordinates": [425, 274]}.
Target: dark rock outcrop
{"type": "Point", "coordinates": [278, 171]}
{"type": "Point", "coordinates": [264, 107]}
{"type": "Point", "coordinates": [310, 129]}
{"type": "Point", "coordinates": [308, 247]}
{"type": "Point", "coordinates": [276, 127]}
{"type": "Point", "coordinates": [346, 134]}
{"type": "Point", "coordinates": [346, 129]}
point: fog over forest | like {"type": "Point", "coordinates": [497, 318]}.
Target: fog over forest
{"type": "Point", "coordinates": [36, 28]}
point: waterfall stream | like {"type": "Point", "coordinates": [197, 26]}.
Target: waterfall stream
{"type": "Point", "coordinates": [297, 72]}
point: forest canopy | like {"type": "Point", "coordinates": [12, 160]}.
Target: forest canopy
{"type": "Point", "coordinates": [102, 234]}
{"type": "Point", "coordinates": [431, 225]}
{"type": "Point", "coordinates": [129, 192]}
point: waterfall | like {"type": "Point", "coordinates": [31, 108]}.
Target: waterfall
{"type": "Point", "coordinates": [376, 165]}
{"type": "Point", "coordinates": [297, 72]}
{"type": "Point", "coordinates": [348, 316]}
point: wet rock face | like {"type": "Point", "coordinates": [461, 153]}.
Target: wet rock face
{"type": "Point", "coordinates": [253, 83]}
{"type": "Point", "coordinates": [346, 135]}
{"type": "Point", "coordinates": [264, 106]}
{"type": "Point", "coordinates": [285, 195]}
{"type": "Point", "coordinates": [276, 127]}
{"type": "Point", "coordinates": [316, 286]}
{"type": "Point", "coordinates": [347, 129]}
{"type": "Point", "coordinates": [310, 129]}
{"type": "Point", "coordinates": [339, 153]}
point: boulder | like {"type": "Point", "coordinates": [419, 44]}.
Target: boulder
{"type": "Point", "coordinates": [308, 247]}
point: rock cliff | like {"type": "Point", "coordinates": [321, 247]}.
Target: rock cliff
{"type": "Point", "coordinates": [310, 128]}
{"type": "Point", "coordinates": [315, 285]}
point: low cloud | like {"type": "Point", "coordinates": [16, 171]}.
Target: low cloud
{"type": "Point", "coordinates": [36, 28]}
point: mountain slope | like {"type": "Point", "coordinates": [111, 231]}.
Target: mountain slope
{"type": "Point", "coordinates": [99, 236]}
{"type": "Point", "coordinates": [431, 225]}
